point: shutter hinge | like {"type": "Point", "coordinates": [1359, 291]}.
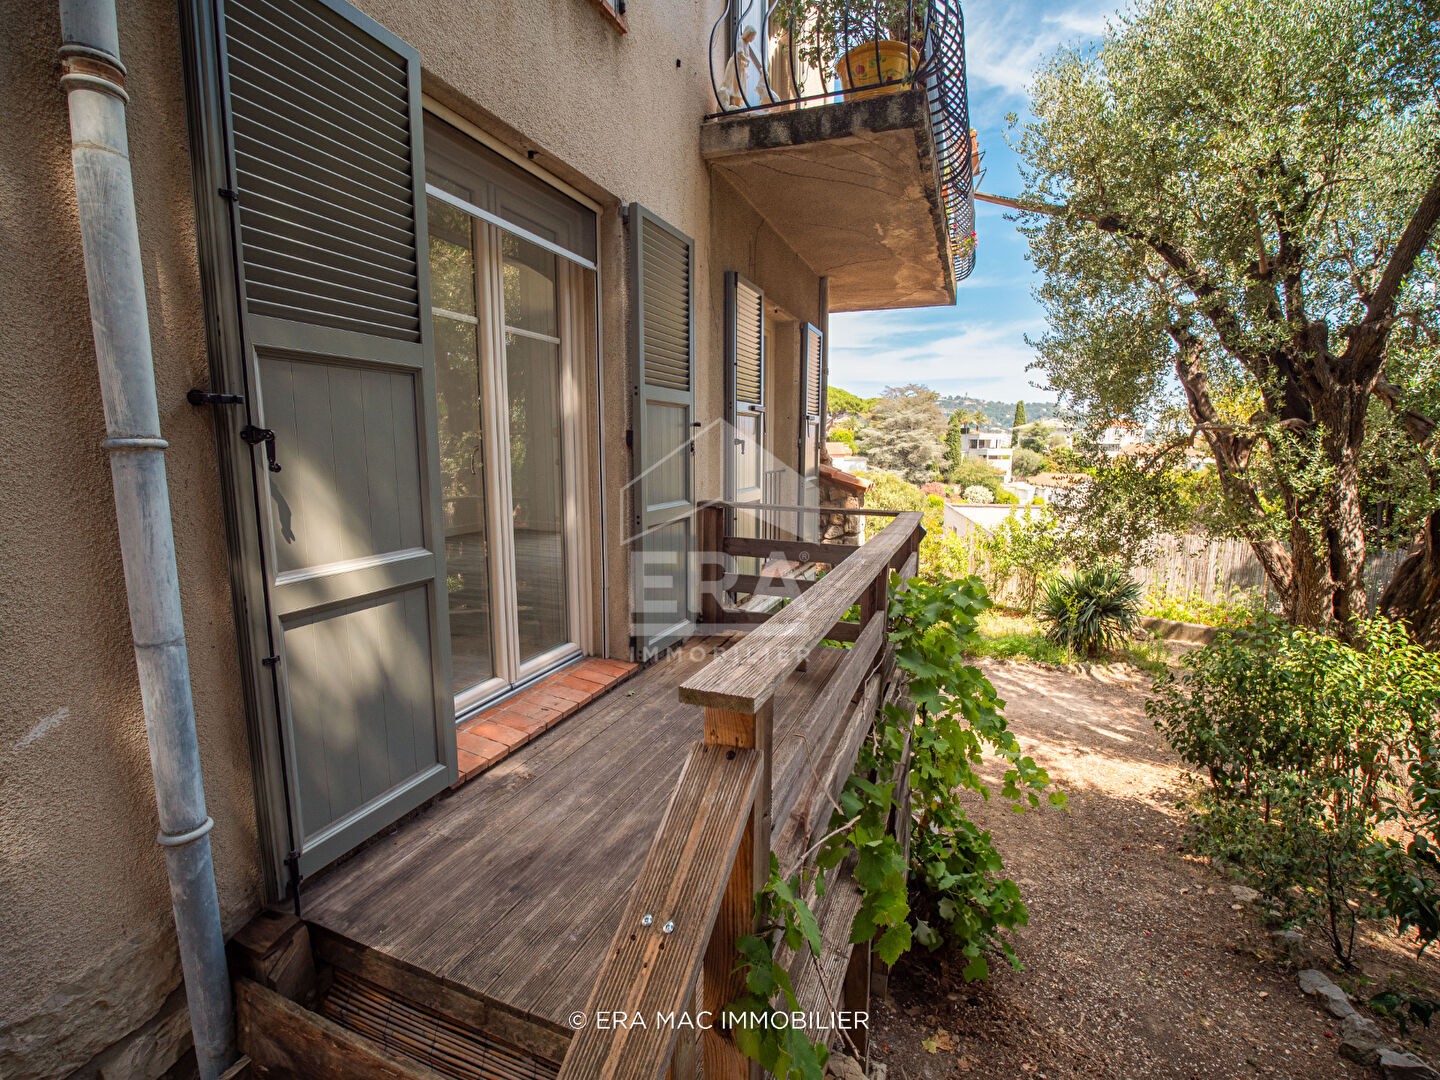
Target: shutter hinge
{"type": "Point", "coordinates": [629, 438]}
{"type": "Point", "coordinates": [270, 661]}
{"type": "Point", "coordinates": [229, 194]}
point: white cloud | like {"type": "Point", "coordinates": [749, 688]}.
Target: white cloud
{"type": "Point", "coordinates": [871, 351]}
{"type": "Point", "coordinates": [1004, 46]}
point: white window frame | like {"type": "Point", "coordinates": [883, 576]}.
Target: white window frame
{"type": "Point", "coordinates": [577, 436]}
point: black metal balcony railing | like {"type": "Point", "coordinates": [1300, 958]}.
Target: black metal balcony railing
{"type": "Point", "coordinates": [756, 66]}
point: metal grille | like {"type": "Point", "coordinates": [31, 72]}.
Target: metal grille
{"type": "Point", "coordinates": [320, 116]}
{"type": "Point", "coordinates": [749, 333]}
{"type": "Point", "coordinates": [814, 358]}
{"type": "Point", "coordinates": [665, 285]}
{"type": "Point", "coordinates": [943, 76]}
{"type": "Point", "coordinates": [934, 28]}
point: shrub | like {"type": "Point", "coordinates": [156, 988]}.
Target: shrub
{"type": "Point", "coordinates": [1091, 610]}
{"type": "Point", "coordinates": [970, 472]}
{"type": "Point", "coordinates": [977, 493]}
{"type": "Point", "coordinates": [1026, 462]}
{"type": "Point", "coordinates": [1028, 545]}
{"type": "Point", "coordinates": [1234, 605]}
{"type": "Point", "coordinates": [1308, 743]}
{"type": "Point", "coordinates": [842, 435]}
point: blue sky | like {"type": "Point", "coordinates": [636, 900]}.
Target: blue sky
{"type": "Point", "coordinates": [978, 346]}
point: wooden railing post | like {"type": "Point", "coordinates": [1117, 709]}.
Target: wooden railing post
{"type": "Point", "coordinates": [721, 983]}
{"type": "Point", "coordinates": [710, 538]}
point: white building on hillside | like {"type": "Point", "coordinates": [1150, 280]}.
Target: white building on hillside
{"type": "Point", "coordinates": [1120, 437]}
{"type": "Point", "coordinates": [991, 447]}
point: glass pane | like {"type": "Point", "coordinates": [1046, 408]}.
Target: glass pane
{"type": "Point", "coordinates": [462, 457]}
{"type": "Point", "coordinates": [537, 491]}
{"type": "Point", "coordinates": [452, 258]}
{"type": "Point", "coordinates": [529, 287]}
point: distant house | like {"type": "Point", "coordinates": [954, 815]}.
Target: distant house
{"type": "Point", "coordinates": [991, 447]}
{"type": "Point", "coordinates": [979, 520]}
{"type": "Point", "coordinates": [1049, 485]}
{"type": "Point", "coordinates": [846, 459]}
{"type": "Point", "coordinates": [1120, 437]}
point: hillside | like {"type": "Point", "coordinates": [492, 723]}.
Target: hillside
{"type": "Point", "coordinates": [999, 413]}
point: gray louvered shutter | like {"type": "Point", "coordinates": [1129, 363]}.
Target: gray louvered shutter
{"type": "Point", "coordinates": [662, 409]}
{"type": "Point", "coordinates": [325, 121]}
{"type": "Point", "coordinates": [812, 422]}
{"type": "Point", "coordinates": [744, 401]}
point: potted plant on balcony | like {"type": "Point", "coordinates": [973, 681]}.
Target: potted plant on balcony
{"type": "Point", "coordinates": [871, 46]}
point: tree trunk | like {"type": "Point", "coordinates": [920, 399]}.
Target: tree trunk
{"type": "Point", "coordinates": [1414, 591]}
{"type": "Point", "coordinates": [1342, 414]}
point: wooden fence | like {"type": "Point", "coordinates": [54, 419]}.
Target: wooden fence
{"type": "Point", "coordinates": [1215, 569]}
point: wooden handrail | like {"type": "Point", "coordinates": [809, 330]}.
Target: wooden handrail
{"type": "Point", "coordinates": [745, 677]}
{"type": "Point", "coordinates": [711, 853]}
{"type": "Point", "coordinates": [852, 511]}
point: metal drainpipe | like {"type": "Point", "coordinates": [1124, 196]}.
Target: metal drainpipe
{"type": "Point", "coordinates": [94, 82]}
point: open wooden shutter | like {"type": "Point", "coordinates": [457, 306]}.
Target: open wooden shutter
{"type": "Point", "coordinates": [662, 408]}
{"type": "Point", "coordinates": [327, 187]}
{"type": "Point", "coordinates": [744, 400]}
{"type": "Point", "coordinates": [812, 422]}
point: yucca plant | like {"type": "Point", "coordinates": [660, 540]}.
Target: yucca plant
{"type": "Point", "coordinates": [1091, 610]}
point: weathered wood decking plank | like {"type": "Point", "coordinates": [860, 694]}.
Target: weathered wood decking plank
{"type": "Point", "coordinates": [656, 966]}
{"type": "Point", "coordinates": [512, 886]}
{"type": "Point", "coordinates": [404, 889]}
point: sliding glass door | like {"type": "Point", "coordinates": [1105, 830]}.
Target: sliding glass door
{"type": "Point", "coordinates": [502, 298]}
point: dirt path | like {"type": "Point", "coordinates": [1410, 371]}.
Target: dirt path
{"type": "Point", "coordinates": [1136, 964]}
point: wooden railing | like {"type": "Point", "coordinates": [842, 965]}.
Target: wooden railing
{"type": "Point", "coordinates": [731, 808]}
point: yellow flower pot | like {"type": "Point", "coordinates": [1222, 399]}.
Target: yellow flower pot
{"type": "Point", "coordinates": [862, 76]}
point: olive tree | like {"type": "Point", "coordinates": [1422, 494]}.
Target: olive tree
{"type": "Point", "coordinates": [1233, 202]}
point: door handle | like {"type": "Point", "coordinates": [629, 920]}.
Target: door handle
{"type": "Point", "coordinates": [257, 435]}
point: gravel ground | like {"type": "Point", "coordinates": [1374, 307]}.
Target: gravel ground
{"type": "Point", "coordinates": [1137, 963]}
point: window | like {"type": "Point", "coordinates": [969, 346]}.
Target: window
{"type": "Point", "coordinates": [511, 266]}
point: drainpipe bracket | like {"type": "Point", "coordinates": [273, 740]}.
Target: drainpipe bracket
{"type": "Point", "coordinates": [165, 839]}
{"type": "Point", "coordinates": [84, 68]}
{"type": "Point", "coordinates": [135, 442]}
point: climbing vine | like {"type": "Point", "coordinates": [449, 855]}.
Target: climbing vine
{"type": "Point", "coordinates": [950, 890]}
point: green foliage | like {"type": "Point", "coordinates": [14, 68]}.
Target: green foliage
{"type": "Point", "coordinates": [955, 441]}
{"type": "Point", "coordinates": [1019, 420]}
{"type": "Point", "coordinates": [782, 917]}
{"type": "Point", "coordinates": [962, 900]}
{"type": "Point", "coordinates": [1192, 225]}
{"type": "Point", "coordinates": [942, 555]}
{"type": "Point", "coordinates": [1031, 544]}
{"type": "Point", "coordinates": [843, 435]}
{"type": "Point", "coordinates": [1128, 505]}
{"type": "Point", "coordinates": [1233, 605]}
{"type": "Point", "coordinates": [842, 401]}
{"type": "Point", "coordinates": [970, 472]}
{"type": "Point", "coordinates": [1405, 1008]}
{"type": "Point", "coordinates": [1308, 744]}
{"type": "Point", "coordinates": [906, 434]}
{"type": "Point", "coordinates": [1091, 610]}
{"type": "Point", "coordinates": [952, 891]}
{"type": "Point", "coordinates": [1027, 462]}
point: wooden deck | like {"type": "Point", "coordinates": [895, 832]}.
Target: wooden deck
{"type": "Point", "coordinates": [511, 888]}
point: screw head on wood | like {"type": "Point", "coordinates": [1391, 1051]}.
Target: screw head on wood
{"type": "Point", "coordinates": [647, 920]}
{"type": "Point", "coordinates": [669, 926]}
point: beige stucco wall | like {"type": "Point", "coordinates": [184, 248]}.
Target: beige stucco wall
{"type": "Point", "coordinates": [84, 909]}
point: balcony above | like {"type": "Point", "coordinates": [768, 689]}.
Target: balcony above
{"type": "Point", "coordinates": [852, 187]}
{"type": "Point", "coordinates": [873, 187]}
